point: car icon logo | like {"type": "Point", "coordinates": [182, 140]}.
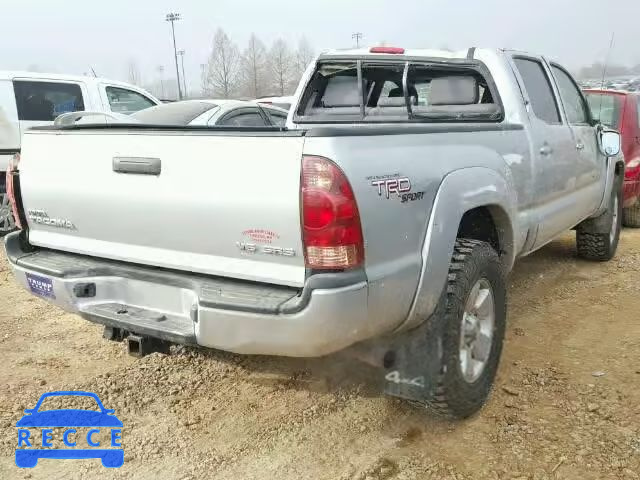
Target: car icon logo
{"type": "Point", "coordinates": [32, 447]}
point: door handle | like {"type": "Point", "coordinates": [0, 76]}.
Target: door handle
{"type": "Point", "coordinates": [546, 150]}
{"type": "Point", "coordinates": [580, 146]}
{"type": "Point", "coordinates": [137, 165]}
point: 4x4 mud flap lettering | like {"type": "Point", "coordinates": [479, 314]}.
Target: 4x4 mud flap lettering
{"type": "Point", "coordinates": [413, 361]}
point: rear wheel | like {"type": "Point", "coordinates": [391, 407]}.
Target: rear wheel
{"type": "Point", "coordinates": [473, 330]}
{"type": "Point", "coordinates": [7, 222]}
{"type": "Point", "coordinates": [631, 216]}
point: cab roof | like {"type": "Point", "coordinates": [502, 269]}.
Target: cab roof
{"type": "Point", "coordinates": [13, 74]}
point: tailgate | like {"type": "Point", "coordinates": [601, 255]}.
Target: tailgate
{"type": "Point", "coordinates": [220, 203]}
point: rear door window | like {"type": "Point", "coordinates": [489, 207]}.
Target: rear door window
{"type": "Point", "coordinates": [44, 101]}
{"type": "Point", "coordinates": [243, 118]}
{"type": "Point", "coordinates": [538, 87]}
{"type": "Point", "coordinates": [122, 100]}
{"type": "Point", "coordinates": [279, 119]}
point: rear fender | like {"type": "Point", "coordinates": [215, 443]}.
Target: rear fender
{"type": "Point", "coordinates": [459, 192]}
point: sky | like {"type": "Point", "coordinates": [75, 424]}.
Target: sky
{"type": "Point", "coordinates": [73, 36]}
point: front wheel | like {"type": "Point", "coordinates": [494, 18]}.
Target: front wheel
{"type": "Point", "coordinates": [473, 330]}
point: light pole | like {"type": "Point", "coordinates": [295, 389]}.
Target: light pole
{"type": "Point", "coordinates": [357, 37]}
{"type": "Point", "coordinates": [203, 78]}
{"type": "Point", "coordinates": [184, 78]}
{"type": "Point", "coordinates": [161, 71]}
{"type": "Point", "coordinates": [174, 17]}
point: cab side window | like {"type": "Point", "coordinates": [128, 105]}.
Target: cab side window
{"type": "Point", "coordinates": [574, 104]}
{"type": "Point", "coordinates": [126, 101]}
{"type": "Point", "coordinates": [538, 87]}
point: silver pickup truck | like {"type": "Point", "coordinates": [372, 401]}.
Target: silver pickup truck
{"type": "Point", "coordinates": [383, 219]}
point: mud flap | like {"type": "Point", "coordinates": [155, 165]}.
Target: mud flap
{"type": "Point", "coordinates": [414, 361]}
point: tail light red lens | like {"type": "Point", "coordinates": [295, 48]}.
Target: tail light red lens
{"type": "Point", "coordinates": [13, 167]}
{"type": "Point", "coordinates": [332, 234]}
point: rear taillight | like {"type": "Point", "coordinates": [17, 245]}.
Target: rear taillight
{"type": "Point", "coordinates": [12, 172]}
{"type": "Point", "coordinates": [331, 231]}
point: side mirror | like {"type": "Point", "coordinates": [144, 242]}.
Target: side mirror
{"type": "Point", "coordinates": [610, 142]}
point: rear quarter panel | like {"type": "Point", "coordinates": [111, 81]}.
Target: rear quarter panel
{"type": "Point", "coordinates": [395, 231]}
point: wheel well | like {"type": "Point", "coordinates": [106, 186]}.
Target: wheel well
{"type": "Point", "coordinates": [485, 224]}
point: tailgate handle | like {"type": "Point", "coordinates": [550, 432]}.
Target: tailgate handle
{"type": "Point", "coordinates": [137, 165]}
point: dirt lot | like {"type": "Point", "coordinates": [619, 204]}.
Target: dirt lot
{"type": "Point", "coordinates": [566, 403]}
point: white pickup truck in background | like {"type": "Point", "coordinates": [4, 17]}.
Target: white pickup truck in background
{"type": "Point", "coordinates": [29, 99]}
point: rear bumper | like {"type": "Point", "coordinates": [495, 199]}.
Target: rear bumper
{"type": "Point", "coordinates": [328, 315]}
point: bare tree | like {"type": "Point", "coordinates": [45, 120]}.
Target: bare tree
{"type": "Point", "coordinates": [133, 72]}
{"type": "Point", "coordinates": [304, 56]}
{"type": "Point", "coordinates": [254, 68]}
{"type": "Point", "coordinates": [223, 77]}
{"type": "Point", "coordinates": [281, 64]}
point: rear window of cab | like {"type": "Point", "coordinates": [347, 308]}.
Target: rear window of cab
{"type": "Point", "coordinates": [383, 91]}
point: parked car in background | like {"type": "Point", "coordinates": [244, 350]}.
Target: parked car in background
{"type": "Point", "coordinates": [237, 113]}
{"type": "Point", "coordinates": [621, 110]}
{"type": "Point", "coordinates": [385, 218]}
{"type": "Point", "coordinates": [29, 99]}
{"type": "Point", "coordinates": [282, 102]}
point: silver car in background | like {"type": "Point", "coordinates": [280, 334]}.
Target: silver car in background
{"type": "Point", "coordinates": [232, 113]}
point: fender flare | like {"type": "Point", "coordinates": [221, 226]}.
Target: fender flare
{"type": "Point", "coordinates": [459, 192]}
{"type": "Point", "coordinates": [613, 163]}
{"type": "Point", "coordinates": [601, 221]}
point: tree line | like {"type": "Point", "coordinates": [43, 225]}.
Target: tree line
{"type": "Point", "coordinates": [596, 70]}
{"type": "Point", "coordinates": [257, 70]}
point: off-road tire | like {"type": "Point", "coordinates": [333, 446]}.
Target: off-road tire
{"type": "Point", "coordinates": [471, 261]}
{"type": "Point", "coordinates": [7, 225]}
{"type": "Point", "coordinates": [631, 216]}
{"type": "Point", "coordinates": [598, 246]}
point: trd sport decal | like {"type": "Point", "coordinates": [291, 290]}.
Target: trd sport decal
{"type": "Point", "coordinates": [395, 186]}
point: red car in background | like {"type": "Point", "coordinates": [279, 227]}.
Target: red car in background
{"type": "Point", "coordinates": [621, 110]}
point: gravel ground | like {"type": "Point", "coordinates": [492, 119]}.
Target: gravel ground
{"type": "Point", "coordinates": [566, 403]}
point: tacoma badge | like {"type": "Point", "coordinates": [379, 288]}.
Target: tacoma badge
{"type": "Point", "coordinates": [42, 217]}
